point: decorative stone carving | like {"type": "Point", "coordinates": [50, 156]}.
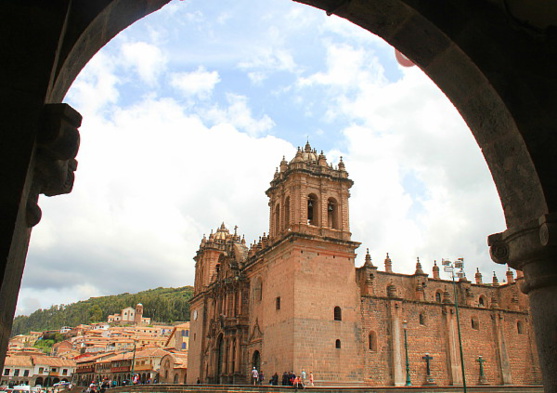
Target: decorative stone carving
{"type": "Point", "coordinates": [527, 248]}
{"type": "Point", "coordinates": [55, 164]}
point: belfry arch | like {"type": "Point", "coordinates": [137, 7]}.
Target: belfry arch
{"type": "Point", "coordinates": [494, 60]}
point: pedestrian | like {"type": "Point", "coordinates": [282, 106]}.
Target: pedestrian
{"type": "Point", "coordinates": [303, 376]}
{"type": "Point", "coordinates": [285, 379]}
{"type": "Point", "coordinates": [311, 378]}
{"type": "Point", "coordinates": [261, 377]}
{"type": "Point", "coordinates": [254, 376]}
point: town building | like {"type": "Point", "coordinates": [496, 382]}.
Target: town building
{"type": "Point", "coordinates": [179, 337]}
{"type": "Point", "coordinates": [130, 316]}
{"type": "Point", "coordinates": [296, 301]}
{"type": "Point", "coordinates": [174, 368]}
{"type": "Point", "coordinates": [33, 370]}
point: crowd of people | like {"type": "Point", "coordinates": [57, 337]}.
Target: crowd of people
{"type": "Point", "coordinates": [288, 379]}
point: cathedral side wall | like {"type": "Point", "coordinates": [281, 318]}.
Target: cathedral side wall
{"type": "Point", "coordinates": [325, 279]}
{"type": "Point", "coordinates": [276, 325]}
{"type": "Point", "coordinates": [489, 330]}
{"type": "Point", "coordinates": [195, 343]}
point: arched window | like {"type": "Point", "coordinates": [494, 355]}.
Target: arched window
{"type": "Point", "coordinates": [520, 327]}
{"type": "Point", "coordinates": [481, 301]}
{"type": "Point", "coordinates": [337, 314]}
{"type": "Point", "coordinates": [372, 341]}
{"type": "Point", "coordinates": [438, 296]}
{"type": "Point", "coordinates": [312, 209]}
{"type": "Point", "coordinates": [257, 290]}
{"type": "Point", "coordinates": [422, 319]}
{"type": "Point", "coordinates": [175, 378]}
{"type": "Point", "coordinates": [337, 343]}
{"type": "Point", "coordinates": [475, 323]}
{"type": "Point", "coordinates": [277, 218]}
{"type": "Point", "coordinates": [287, 212]}
{"type": "Point", "coordinates": [332, 213]}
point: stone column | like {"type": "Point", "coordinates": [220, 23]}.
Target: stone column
{"type": "Point", "coordinates": [532, 249]}
{"type": "Point", "coordinates": [502, 354]}
{"type": "Point", "coordinates": [396, 343]}
{"type": "Point", "coordinates": [453, 352]}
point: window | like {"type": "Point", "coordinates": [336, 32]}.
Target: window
{"type": "Point", "coordinates": [332, 213]}
{"type": "Point", "coordinates": [6, 371]}
{"type": "Point", "coordinates": [184, 346]}
{"type": "Point", "coordinates": [277, 218]}
{"type": "Point", "coordinates": [481, 301]}
{"type": "Point", "coordinates": [337, 343]}
{"type": "Point", "coordinates": [25, 373]}
{"type": "Point", "coordinates": [16, 372]}
{"type": "Point", "coordinates": [312, 210]}
{"type": "Point", "coordinates": [65, 371]}
{"type": "Point", "coordinates": [278, 302]}
{"type": "Point", "coordinates": [372, 341]}
{"type": "Point", "coordinates": [475, 323]}
{"type": "Point", "coordinates": [337, 314]}
{"type": "Point", "coordinates": [287, 212]}
{"type": "Point", "coordinates": [54, 369]}
{"type": "Point", "coordinates": [41, 370]}
{"type": "Point", "coordinates": [257, 290]}
{"type": "Point", "coordinates": [438, 296]}
{"type": "Point", "coordinates": [519, 327]}
{"type": "Point", "coordinates": [422, 319]}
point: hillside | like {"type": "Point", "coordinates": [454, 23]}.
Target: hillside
{"type": "Point", "coordinates": [160, 304]}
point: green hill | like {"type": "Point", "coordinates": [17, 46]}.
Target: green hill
{"type": "Point", "coordinates": [161, 305]}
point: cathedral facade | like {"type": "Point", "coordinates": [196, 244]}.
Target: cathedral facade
{"type": "Point", "coordinates": [295, 301]}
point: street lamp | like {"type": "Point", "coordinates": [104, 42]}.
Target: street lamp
{"type": "Point", "coordinates": [456, 268]}
{"type": "Point", "coordinates": [405, 328]}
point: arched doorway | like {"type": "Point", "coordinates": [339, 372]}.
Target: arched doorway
{"type": "Point", "coordinates": [256, 360]}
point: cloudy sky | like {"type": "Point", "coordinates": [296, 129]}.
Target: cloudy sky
{"type": "Point", "coordinates": [186, 116]}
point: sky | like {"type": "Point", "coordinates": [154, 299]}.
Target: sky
{"type": "Point", "coordinates": [186, 115]}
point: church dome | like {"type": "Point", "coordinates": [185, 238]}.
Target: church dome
{"type": "Point", "coordinates": [222, 233]}
{"type": "Point", "coordinates": [306, 155]}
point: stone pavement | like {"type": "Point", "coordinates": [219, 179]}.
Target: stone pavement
{"type": "Point", "coordinates": [321, 389]}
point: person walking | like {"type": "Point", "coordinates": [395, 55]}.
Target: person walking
{"type": "Point", "coordinates": [254, 376]}
{"type": "Point", "coordinates": [311, 378]}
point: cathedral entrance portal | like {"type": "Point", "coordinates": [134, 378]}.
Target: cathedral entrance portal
{"type": "Point", "coordinates": [256, 361]}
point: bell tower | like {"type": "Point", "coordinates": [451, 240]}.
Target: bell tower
{"type": "Point", "coordinates": [310, 196]}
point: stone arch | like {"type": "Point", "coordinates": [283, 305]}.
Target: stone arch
{"type": "Point", "coordinates": [287, 212]}
{"type": "Point", "coordinates": [277, 218]}
{"type": "Point", "coordinates": [312, 209]}
{"type": "Point", "coordinates": [332, 213]}
{"type": "Point", "coordinates": [509, 108]}
{"type": "Point", "coordinates": [257, 289]}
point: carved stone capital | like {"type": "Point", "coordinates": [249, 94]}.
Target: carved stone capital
{"type": "Point", "coordinates": [531, 248]}
{"type": "Point", "coordinates": [57, 145]}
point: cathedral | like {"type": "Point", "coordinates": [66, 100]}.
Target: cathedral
{"type": "Point", "coordinates": [295, 301]}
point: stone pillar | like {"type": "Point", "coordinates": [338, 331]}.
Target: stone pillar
{"type": "Point", "coordinates": [238, 361]}
{"type": "Point", "coordinates": [532, 249]}
{"type": "Point", "coordinates": [502, 353]}
{"type": "Point", "coordinates": [453, 353]}
{"type": "Point", "coordinates": [397, 344]}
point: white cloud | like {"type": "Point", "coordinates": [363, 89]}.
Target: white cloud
{"type": "Point", "coordinates": [238, 114]}
{"type": "Point", "coordinates": [199, 83]}
{"type": "Point", "coordinates": [147, 59]}
{"type": "Point", "coordinates": [97, 85]}
{"type": "Point", "coordinates": [155, 173]}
